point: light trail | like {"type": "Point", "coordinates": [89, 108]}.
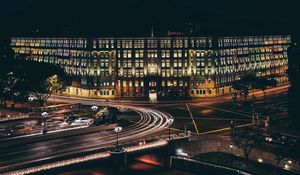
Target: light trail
{"type": "Point", "coordinates": [150, 122]}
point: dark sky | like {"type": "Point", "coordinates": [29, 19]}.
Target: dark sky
{"type": "Point", "coordinates": [135, 17]}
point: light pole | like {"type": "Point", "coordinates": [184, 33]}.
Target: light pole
{"type": "Point", "coordinates": [107, 102]}
{"type": "Point", "coordinates": [30, 99]}
{"type": "Point", "coordinates": [117, 130]}
{"type": "Point", "coordinates": [45, 115]}
{"type": "Point", "coordinates": [290, 162]}
{"type": "Point", "coordinates": [170, 121]}
{"type": "Point", "coordinates": [94, 108]}
{"type": "Point", "coordinates": [231, 147]}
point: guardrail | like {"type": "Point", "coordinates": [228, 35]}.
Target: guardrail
{"type": "Point", "coordinates": [213, 167]}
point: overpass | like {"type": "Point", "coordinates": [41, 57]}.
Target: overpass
{"type": "Point", "coordinates": [156, 152]}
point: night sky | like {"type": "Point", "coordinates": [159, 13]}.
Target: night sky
{"type": "Point", "coordinates": [135, 17]}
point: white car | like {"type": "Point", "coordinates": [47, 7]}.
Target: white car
{"type": "Point", "coordinates": [82, 120]}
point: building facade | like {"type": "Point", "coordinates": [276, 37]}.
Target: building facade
{"type": "Point", "coordinates": [158, 67]}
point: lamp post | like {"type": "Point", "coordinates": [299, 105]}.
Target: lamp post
{"type": "Point", "coordinates": [290, 163]}
{"type": "Point", "coordinates": [170, 121]}
{"type": "Point", "coordinates": [94, 108]}
{"type": "Point", "coordinates": [107, 100]}
{"type": "Point", "coordinates": [117, 130]}
{"type": "Point", "coordinates": [30, 99]}
{"type": "Point", "coordinates": [45, 115]}
{"type": "Point", "coordinates": [231, 147]}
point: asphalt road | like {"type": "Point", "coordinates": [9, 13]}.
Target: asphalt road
{"type": "Point", "coordinates": [150, 122]}
{"type": "Point", "coordinates": [210, 114]}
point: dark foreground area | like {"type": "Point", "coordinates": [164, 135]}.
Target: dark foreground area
{"type": "Point", "coordinates": [104, 168]}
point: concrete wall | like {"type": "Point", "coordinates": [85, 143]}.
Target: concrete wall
{"type": "Point", "coordinates": [205, 144]}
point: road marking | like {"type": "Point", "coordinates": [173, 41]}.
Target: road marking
{"type": "Point", "coordinates": [224, 110]}
{"type": "Point", "coordinates": [225, 129]}
{"type": "Point", "coordinates": [191, 115]}
{"type": "Point", "coordinates": [181, 108]}
{"type": "Point", "coordinates": [215, 118]}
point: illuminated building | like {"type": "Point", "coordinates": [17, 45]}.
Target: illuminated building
{"type": "Point", "coordinates": [159, 66]}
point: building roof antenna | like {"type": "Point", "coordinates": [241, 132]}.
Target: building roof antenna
{"type": "Point", "coordinates": [152, 30]}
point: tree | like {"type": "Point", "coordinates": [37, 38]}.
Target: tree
{"type": "Point", "coordinates": [6, 69]}
{"type": "Point", "coordinates": [241, 85]}
{"type": "Point", "coordinates": [251, 81]}
{"type": "Point", "coordinates": [263, 84]}
{"type": "Point", "coordinates": [6, 52]}
{"type": "Point", "coordinates": [19, 78]}
{"type": "Point", "coordinates": [234, 97]}
{"type": "Point", "coordinates": [106, 115]}
{"type": "Point", "coordinates": [56, 85]}
{"type": "Point", "coordinates": [294, 74]}
{"type": "Point", "coordinates": [245, 139]}
{"type": "Point", "coordinates": [44, 79]}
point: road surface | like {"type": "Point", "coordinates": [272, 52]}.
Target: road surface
{"type": "Point", "coordinates": [151, 121]}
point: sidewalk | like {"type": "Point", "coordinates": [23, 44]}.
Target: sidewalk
{"type": "Point", "coordinates": [221, 98]}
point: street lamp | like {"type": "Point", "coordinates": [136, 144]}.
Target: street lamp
{"type": "Point", "coordinates": [170, 121]}
{"type": "Point", "coordinates": [94, 109]}
{"type": "Point", "coordinates": [30, 99]}
{"type": "Point", "coordinates": [107, 102]}
{"type": "Point", "coordinates": [117, 130]}
{"type": "Point", "coordinates": [45, 115]}
{"type": "Point", "coordinates": [231, 147]}
{"type": "Point", "coordinates": [290, 163]}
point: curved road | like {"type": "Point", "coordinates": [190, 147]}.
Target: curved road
{"type": "Point", "coordinates": [150, 122]}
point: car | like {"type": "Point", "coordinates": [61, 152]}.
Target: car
{"type": "Point", "coordinates": [82, 120]}
{"type": "Point", "coordinates": [58, 118]}
{"type": "Point", "coordinates": [63, 124]}
{"type": "Point", "coordinates": [70, 119]}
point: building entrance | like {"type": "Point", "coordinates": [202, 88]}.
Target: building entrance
{"type": "Point", "coordinates": [153, 96]}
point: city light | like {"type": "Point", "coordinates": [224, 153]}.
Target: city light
{"type": "Point", "coordinates": [30, 99]}
{"type": "Point", "coordinates": [180, 152]}
{"type": "Point", "coordinates": [170, 121]}
{"type": "Point", "coordinates": [132, 87]}
{"type": "Point", "coordinates": [159, 62]}
{"type": "Point", "coordinates": [94, 108]}
{"type": "Point", "coordinates": [286, 166]}
{"type": "Point", "coordinates": [82, 159]}
{"type": "Point", "coordinates": [117, 130]}
{"type": "Point", "coordinates": [45, 114]}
